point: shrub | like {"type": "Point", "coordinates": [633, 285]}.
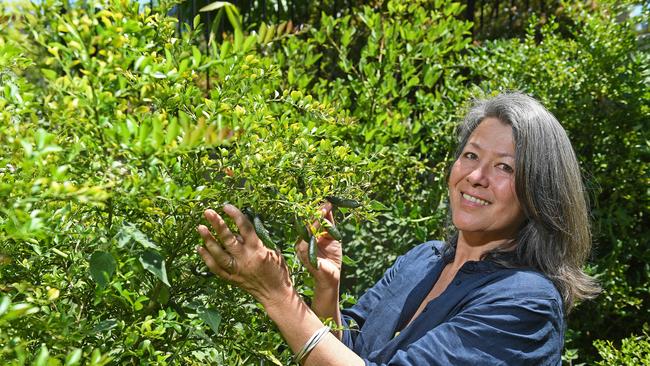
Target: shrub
{"type": "Point", "coordinates": [633, 351]}
{"type": "Point", "coordinates": [114, 147]}
{"type": "Point", "coordinates": [394, 68]}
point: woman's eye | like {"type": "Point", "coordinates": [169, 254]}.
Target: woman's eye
{"type": "Point", "coordinates": [506, 168]}
{"type": "Point", "coordinates": [470, 155]}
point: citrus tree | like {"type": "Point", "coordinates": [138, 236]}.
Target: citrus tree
{"type": "Point", "coordinates": [114, 146]}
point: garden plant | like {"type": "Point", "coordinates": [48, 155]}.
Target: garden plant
{"type": "Point", "coordinates": [122, 122]}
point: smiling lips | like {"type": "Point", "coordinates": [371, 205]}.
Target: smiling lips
{"type": "Point", "coordinates": [475, 199]}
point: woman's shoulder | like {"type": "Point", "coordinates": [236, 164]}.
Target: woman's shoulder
{"type": "Point", "coordinates": [431, 250]}
{"type": "Point", "coordinates": [522, 284]}
{"type": "Point", "coordinates": [428, 248]}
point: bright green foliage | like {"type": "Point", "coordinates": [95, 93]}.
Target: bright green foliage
{"type": "Point", "coordinates": [397, 72]}
{"type": "Point", "coordinates": [114, 145]}
{"type": "Point", "coordinates": [119, 127]}
{"type": "Point", "coordinates": [633, 351]}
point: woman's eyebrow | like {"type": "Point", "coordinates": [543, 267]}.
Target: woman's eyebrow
{"type": "Point", "coordinates": [500, 154]}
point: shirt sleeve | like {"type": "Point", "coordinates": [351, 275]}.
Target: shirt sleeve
{"type": "Point", "coordinates": [354, 318]}
{"type": "Point", "coordinates": [500, 332]}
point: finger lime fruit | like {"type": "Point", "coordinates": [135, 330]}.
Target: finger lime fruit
{"type": "Point", "coordinates": [313, 252]}
{"type": "Point", "coordinates": [263, 233]}
{"type": "Point", "coordinates": [343, 202]}
{"type": "Point", "coordinates": [249, 213]}
{"type": "Point", "coordinates": [333, 232]}
{"type": "Point", "coordinates": [301, 229]}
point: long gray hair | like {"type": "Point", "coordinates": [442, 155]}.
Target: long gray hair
{"type": "Point", "coordinates": [555, 238]}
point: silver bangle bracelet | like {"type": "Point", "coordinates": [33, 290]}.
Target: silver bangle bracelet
{"type": "Point", "coordinates": [311, 343]}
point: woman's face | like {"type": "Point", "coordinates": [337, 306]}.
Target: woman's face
{"type": "Point", "coordinates": [482, 183]}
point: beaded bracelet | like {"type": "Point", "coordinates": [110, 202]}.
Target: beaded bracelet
{"type": "Point", "coordinates": [311, 343]}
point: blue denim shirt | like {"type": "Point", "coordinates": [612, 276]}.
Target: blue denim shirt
{"type": "Point", "coordinates": [488, 315]}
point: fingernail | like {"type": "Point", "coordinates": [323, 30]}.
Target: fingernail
{"type": "Point", "coordinates": [197, 248]}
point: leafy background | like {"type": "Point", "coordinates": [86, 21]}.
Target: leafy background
{"type": "Point", "coordinates": [121, 122]}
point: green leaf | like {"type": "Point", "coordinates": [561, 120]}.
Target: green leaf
{"type": "Point", "coordinates": [349, 261]}
{"type": "Point", "coordinates": [155, 263]}
{"type": "Point", "coordinates": [73, 357]}
{"type": "Point", "coordinates": [129, 232]}
{"type": "Point", "coordinates": [49, 74]}
{"type": "Point", "coordinates": [43, 356]}
{"type": "Point", "coordinates": [196, 55]}
{"type": "Point", "coordinates": [95, 357]}
{"type": "Point", "coordinates": [102, 267]}
{"type": "Point", "coordinates": [105, 325]}
{"type": "Point", "coordinates": [378, 206]}
{"type": "Point", "coordinates": [197, 20]}
{"type": "Point", "coordinates": [271, 357]}
{"type": "Point", "coordinates": [211, 317]}
{"type": "Point", "coordinates": [215, 5]}
{"type": "Point", "coordinates": [4, 305]}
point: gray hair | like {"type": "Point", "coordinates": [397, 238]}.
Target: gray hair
{"type": "Point", "coordinates": [555, 238]}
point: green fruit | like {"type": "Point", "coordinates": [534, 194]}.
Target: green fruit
{"type": "Point", "coordinates": [313, 252]}
{"type": "Point", "coordinates": [301, 229]}
{"type": "Point", "coordinates": [333, 231]}
{"type": "Point", "coordinates": [262, 233]}
{"type": "Point", "coordinates": [249, 213]}
{"type": "Point", "coordinates": [343, 202]}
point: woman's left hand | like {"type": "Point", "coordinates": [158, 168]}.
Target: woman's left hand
{"type": "Point", "coordinates": [243, 259]}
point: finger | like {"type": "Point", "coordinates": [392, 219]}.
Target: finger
{"type": "Point", "coordinates": [219, 254]}
{"type": "Point", "coordinates": [212, 264]}
{"type": "Point", "coordinates": [245, 227]}
{"type": "Point", "coordinates": [326, 213]}
{"type": "Point", "coordinates": [206, 235]}
{"type": "Point", "coordinates": [223, 231]}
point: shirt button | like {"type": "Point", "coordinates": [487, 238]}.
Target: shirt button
{"type": "Point", "coordinates": [457, 282]}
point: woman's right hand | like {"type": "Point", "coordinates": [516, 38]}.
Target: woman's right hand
{"type": "Point", "coordinates": [329, 252]}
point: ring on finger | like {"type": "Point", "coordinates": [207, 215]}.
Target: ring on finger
{"type": "Point", "coordinates": [230, 267]}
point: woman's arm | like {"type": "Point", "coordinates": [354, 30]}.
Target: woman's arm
{"type": "Point", "coordinates": [297, 323]}
{"type": "Point", "coordinates": [327, 277]}
{"type": "Point", "coordinates": [246, 262]}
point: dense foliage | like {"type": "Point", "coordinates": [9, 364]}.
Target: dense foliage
{"type": "Point", "coordinates": [120, 125]}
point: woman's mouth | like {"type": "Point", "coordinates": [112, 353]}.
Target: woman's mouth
{"type": "Point", "coordinates": [475, 199]}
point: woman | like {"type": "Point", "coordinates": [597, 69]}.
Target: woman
{"type": "Point", "coordinates": [495, 293]}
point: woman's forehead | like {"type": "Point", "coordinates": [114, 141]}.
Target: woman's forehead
{"type": "Point", "coordinates": [493, 135]}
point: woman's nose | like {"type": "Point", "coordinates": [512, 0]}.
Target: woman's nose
{"type": "Point", "coordinates": [478, 176]}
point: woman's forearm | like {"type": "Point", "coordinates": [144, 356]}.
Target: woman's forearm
{"type": "Point", "coordinates": [325, 305]}
{"type": "Point", "coordinates": [297, 323]}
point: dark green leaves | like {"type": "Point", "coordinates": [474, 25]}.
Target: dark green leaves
{"type": "Point", "coordinates": [155, 263]}
{"type": "Point", "coordinates": [211, 317]}
{"type": "Point", "coordinates": [102, 267]}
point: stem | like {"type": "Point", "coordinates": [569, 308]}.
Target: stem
{"type": "Point", "coordinates": [153, 299]}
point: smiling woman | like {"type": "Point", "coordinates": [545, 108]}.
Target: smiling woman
{"type": "Point", "coordinates": [482, 185]}
{"type": "Point", "coordinates": [496, 293]}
